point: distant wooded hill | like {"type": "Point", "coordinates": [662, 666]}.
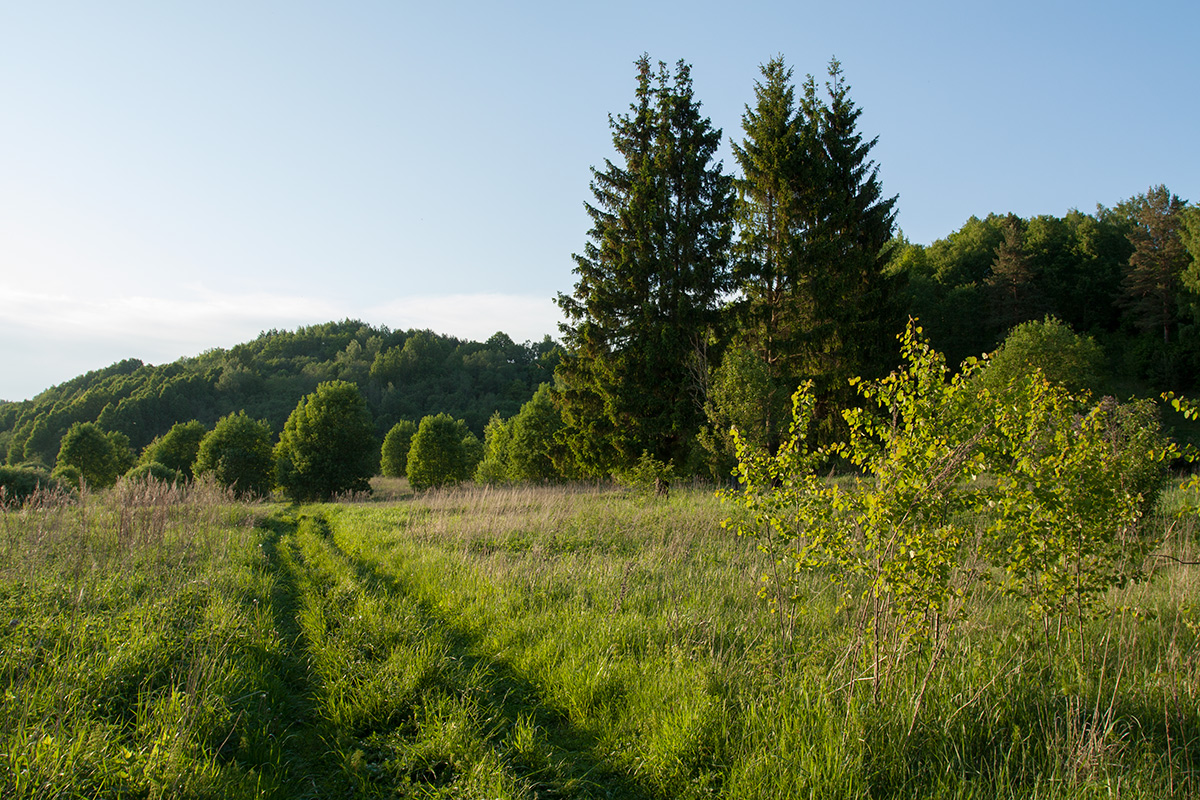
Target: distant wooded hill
{"type": "Point", "coordinates": [402, 375]}
{"type": "Point", "coordinates": [1127, 276]}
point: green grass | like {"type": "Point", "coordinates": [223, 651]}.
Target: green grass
{"type": "Point", "coordinates": [541, 642]}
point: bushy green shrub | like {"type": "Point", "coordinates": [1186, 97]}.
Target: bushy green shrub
{"type": "Point", "coordinates": [178, 448]}
{"type": "Point", "coordinates": [327, 446]}
{"type": "Point", "coordinates": [472, 449]}
{"type": "Point", "coordinates": [523, 449]}
{"type": "Point", "coordinates": [393, 461]}
{"type": "Point", "coordinates": [742, 395]}
{"type": "Point", "coordinates": [67, 475]}
{"type": "Point", "coordinates": [238, 454]}
{"type": "Point", "coordinates": [534, 428]}
{"type": "Point", "coordinates": [17, 483]}
{"type": "Point", "coordinates": [1065, 505]}
{"type": "Point", "coordinates": [497, 442]}
{"type": "Point", "coordinates": [94, 453]}
{"type": "Point", "coordinates": [438, 456]}
{"type": "Point", "coordinates": [154, 470]}
{"type": "Point", "coordinates": [648, 475]}
{"type": "Point", "coordinates": [1072, 495]}
{"type": "Point", "coordinates": [1063, 356]}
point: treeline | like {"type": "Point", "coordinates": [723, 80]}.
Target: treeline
{"type": "Point", "coordinates": [703, 299]}
{"type": "Point", "coordinates": [1126, 276]}
{"type": "Point", "coordinates": [400, 375]}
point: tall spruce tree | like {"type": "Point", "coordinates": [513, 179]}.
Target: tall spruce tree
{"type": "Point", "coordinates": [857, 313]}
{"type": "Point", "coordinates": [773, 215]}
{"type": "Point", "coordinates": [817, 302]}
{"type": "Point", "coordinates": [651, 280]}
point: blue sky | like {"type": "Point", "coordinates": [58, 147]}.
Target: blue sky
{"type": "Point", "coordinates": [181, 176]}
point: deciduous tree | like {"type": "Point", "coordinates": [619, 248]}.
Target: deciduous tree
{"type": "Point", "coordinates": [1065, 358]}
{"type": "Point", "coordinates": [497, 446]}
{"type": "Point", "coordinates": [177, 448]}
{"type": "Point", "coordinates": [393, 460]}
{"type": "Point", "coordinates": [437, 456]}
{"type": "Point", "coordinates": [743, 394]}
{"type": "Point", "coordinates": [533, 431]}
{"type": "Point", "coordinates": [237, 452]}
{"type": "Point", "coordinates": [90, 450]}
{"type": "Point", "coordinates": [327, 446]}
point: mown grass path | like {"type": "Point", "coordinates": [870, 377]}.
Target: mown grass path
{"type": "Point", "coordinates": [291, 735]}
{"type": "Point", "coordinates": [383, 694]}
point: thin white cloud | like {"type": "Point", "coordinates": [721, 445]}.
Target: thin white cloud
{"type": "Point", "coordinates": [204, 317]}
{"type": "Point", "coordinates": [473, 316]}
{"type": "Point", "coordinates": [52, 337]}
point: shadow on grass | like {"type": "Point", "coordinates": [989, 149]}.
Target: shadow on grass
{"type": "Point", "coordinates": [567, 762]}
{"type": "Point", "coordinates": [281, 735]}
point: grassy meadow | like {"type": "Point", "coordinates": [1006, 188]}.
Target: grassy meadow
{"type": "Point", "coordinates": [543, 643]}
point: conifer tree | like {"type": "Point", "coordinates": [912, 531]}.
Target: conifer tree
{"type": "Point", "coordinates": [817, 301]}
{"type": "Point", "coordinates": [773, 214]}
{"type": "Point", "coordinates": [857, 316]}
{"type": "Point", "coordinates": [1150, 290]}
{"type": "Point", "coordinates": [1012, 293]}
{"type": "Point", "coordinates": [651, 280]}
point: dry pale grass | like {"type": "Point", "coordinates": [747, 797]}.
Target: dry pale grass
{"type": "Point", "coordinates": [133, 524]}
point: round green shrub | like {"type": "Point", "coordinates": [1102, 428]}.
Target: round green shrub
{"type": "Point", "coordinates": [1064, 357]}
{"type": "Point", "coordinates": [237, 452]}
{"type": "Point", "coordinates": [18, 483]}
{"type": "Point", "coordinates": [93, 452]}
{"type": "Point", "coordinates": [178, 448]}
{"type": "Point", "coordinates": [155, 470]}
{"type": "Point", "coordinates": [327, 446]}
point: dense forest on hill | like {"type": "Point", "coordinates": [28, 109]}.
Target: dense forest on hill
{"type": "Point", "coordinates": [402, 375]}
{"type": "Point", "coordinates": [967, 289]}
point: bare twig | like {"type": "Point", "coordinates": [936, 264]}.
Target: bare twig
{"type": "Point", "coordinates": [1178, 560]}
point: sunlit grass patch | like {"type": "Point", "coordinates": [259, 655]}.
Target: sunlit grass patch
{"type": "Point", "coordinates": [544, 642]}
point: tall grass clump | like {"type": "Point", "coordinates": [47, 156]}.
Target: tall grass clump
{"type": "Point", "coordinates": [608, 667]}
{"type": "Point", "coordinates": [121, 619]}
